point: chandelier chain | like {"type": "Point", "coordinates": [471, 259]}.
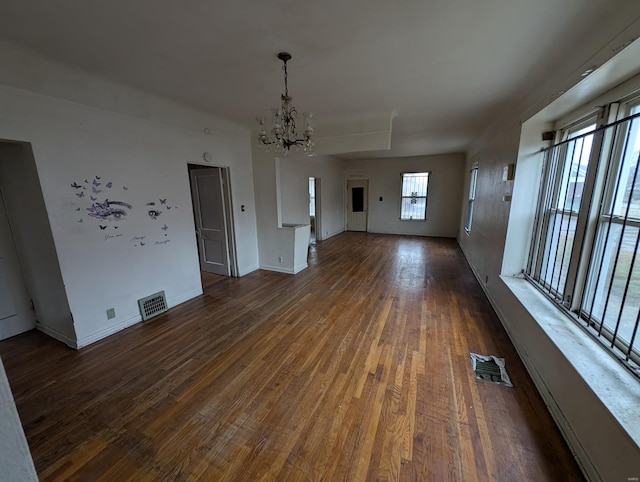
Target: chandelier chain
{"type": "Point", "coordinates": [286, 79]}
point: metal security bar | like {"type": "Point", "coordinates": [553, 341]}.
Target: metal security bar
{"type": "Point", "coordinates": [414, 196]}
{"type": "Point", "coordinates": [586, 233]}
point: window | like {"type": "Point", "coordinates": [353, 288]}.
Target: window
{"type": "Point", "coordinates": [473, 176]}
{"type": "Point", "coordinates": [586, 235]}
{"type": "Point", "coordinates": [413, 204]}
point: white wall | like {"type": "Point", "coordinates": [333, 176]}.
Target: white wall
{"type": "Point", "coordinates": [605, 448]}
{"type": "Point", "coordinates": [127, 146]}
{"type": "Point", "coordinates": [294, 190]}
{"type": "Point", "coordinates": [443, 197]}
{"type": "Point", "coordinates": [282, 194]}
{"type": "Point", "coordinates": [15, 458]}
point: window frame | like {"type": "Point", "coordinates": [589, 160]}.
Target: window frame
{"type": "Point", "coordinates": [595, 211]}
{"type": "Point", "coordinates": [414, 198]}
{"type": "Point", "coordinates": [473, 184]}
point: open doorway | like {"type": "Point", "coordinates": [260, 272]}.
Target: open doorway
{"type": "Point", "coordinates": [213, 216]}
{"type": "Point", "coordinates": [314, 210]}
{"type": "Point", "coordinates": [32, 291]}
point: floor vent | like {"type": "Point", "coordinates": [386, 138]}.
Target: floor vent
{"type": "Point", "coordinates": [491, 368]}
{"type": "Point", "coordinates": [152, 305]}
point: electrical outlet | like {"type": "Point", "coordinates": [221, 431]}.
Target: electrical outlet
{"type": "Point", "coordinates": [280, 259]}
{"type": "Point", "coordinates": [111, 313]}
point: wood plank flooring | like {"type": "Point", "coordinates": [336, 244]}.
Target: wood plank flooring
{"type": "Point", "coordinates": [355, 369]}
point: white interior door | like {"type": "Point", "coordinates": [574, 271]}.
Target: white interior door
{"type": "Point", "coordinates": [210, 218]}
{"type": "Point", "coordinates": [357, 204]}
{"type": "Point", "coordinates": [16, 313]}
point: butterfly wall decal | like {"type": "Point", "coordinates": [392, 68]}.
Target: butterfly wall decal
{"type": "Point", "coordinates": [75, 185]}
{"type": "Point", "coordinates": [102, 227]}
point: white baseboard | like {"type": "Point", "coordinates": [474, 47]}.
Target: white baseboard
{"type": "Point", "coordinates": [244, 270]}
{"type": "Point", "coordinates": [126, 323]}
{"type": "Point", "coordinates": [110, 330]}
{"type": "Point", "coordinates": [279, 269]}
{"type": "Point", "coordinates": [297, 269]}
{"type": "Point", "coordinates": [70, 342]}
{"type": "Point", "coordinates": [173, 302]}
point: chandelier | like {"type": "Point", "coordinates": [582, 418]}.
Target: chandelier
{"type": "Point", "coordinates": [283, 134]}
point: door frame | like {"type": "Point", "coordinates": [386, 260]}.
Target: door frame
{"type": "Point", "coordinates": [227, 201]}
{"type": "Point", "coordinates": [318, 198]}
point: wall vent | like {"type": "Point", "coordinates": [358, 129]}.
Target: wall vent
{"type": "Point", "coordinates": [152, 305]}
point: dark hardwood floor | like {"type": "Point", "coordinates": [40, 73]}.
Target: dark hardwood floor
{"type": "Point", "coordinates": [355, 369]}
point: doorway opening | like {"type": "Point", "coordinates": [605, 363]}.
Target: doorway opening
{"type": "Point", "coordinates": [213, 216]}
{"type": "Point", "coordinates": [32, 292]}
{"type": "Point", "coordinates": [314, 210]}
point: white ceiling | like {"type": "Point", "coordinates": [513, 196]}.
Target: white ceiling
{"type": "Point", "coordinates": [443, 67]}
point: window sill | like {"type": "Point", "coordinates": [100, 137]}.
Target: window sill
{"type": "Point", "coordinates": [612, 383]}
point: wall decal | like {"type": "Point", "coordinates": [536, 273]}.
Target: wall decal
{"type": "Point", "coordinates": [104, 212]}
{"type": "Point", "coordinates": [108, 210]}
